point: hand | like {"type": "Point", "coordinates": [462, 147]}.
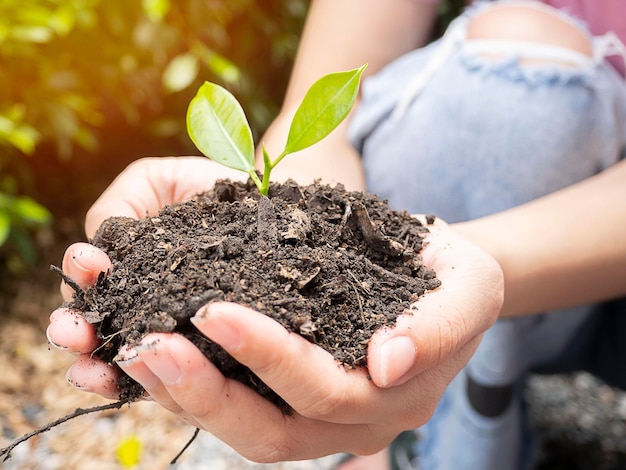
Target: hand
{"type": "Point", "coordinates": [334, 410]}
{"type": "Point", "coordinates": [148, 184]}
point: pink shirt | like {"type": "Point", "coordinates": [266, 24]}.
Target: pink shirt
{"type": "Point", "coordinates": [601, 16]}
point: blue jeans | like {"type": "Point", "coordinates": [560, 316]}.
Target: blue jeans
{"type": "Point", "coordinates": [480, 136]}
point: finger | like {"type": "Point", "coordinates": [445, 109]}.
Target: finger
{"type": "Point", "coordinates": [92, 375]}
{"type": "Point", "coordinates": [304, 375]}
{"type": "Point", "coordinates": [444, 320]}
{"type": "Point", "coordinates": [148, 184]}
{"type": "Point", "coordinates": [422, 392]}
{"type": "Point", "coordinates": [317, 387]}
{"type": "Point", "coordinates": [83, 263]}
{"type": "Point", "coordinates": [68, 330]}
{"type": "Point", "coordinates": [179, 377]}
{"type": "Point", "coordinates": [132, 361]}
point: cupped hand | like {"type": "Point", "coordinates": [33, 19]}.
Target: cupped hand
{"type": "Point", "coordinates": [334, 409]}
{"type": "Point", "coordinates": [149, 184]}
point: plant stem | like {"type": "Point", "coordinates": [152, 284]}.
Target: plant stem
{"type": "Point", "coordinates": [256, 180]}
{"type": "Point", "coordinates": [279, 158]}
{"type": "Point", "coordinates": [267, 169]}
{"type": "Point", "coordinates": [268, 166]}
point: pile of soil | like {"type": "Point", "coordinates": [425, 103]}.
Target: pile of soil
{"type": "Point", "coordinates": [331, 265]}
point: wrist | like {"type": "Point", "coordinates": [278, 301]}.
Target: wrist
{"type": "Point", "coordinates": [487, 237]}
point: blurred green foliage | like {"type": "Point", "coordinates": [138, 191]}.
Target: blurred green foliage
{"type": "Point", "coordinates": [69, 67]}
{"type": "Point", "coordinates": [78, 75]}
{"type": "Point", "coordinates": [73, 73]}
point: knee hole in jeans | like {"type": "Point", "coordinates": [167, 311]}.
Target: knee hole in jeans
{"type": "Point", "coordinates": [527, 22]}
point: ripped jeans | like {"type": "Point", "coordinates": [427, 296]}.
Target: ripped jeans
{"type": "Point", "coordinates": [453, 130]}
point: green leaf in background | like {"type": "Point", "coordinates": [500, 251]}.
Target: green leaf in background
{"type": "Point", "coordinates": [31, 212]}
{"type": "Point", "coordinates": [20, 136]}
{"type": "Point", "coordinates": [180, 72]}
{"type": "Point", "coordinates": [156, 9]}
{"type": "Point", "coordinates": [62, 20]}
{"type": "Point", "coordinates": [36, 34]}
{"type": "Point", "coordinates": [326, 104]}
{"type": "Point", "coordinates": [218, 126]}
{"type": "Point", "coordinates": [217, 63]}
{"type": "Point", "coordinates": [5, 226]}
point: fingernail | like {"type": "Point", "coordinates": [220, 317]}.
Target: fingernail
{"type": "Point", "coordinates": [164, 367]}
{"type": "Point", "coordinates": [397, 358]}
{"type": "Point", "coordinates": [218, 328]}
{"type": "Point", "coordinates": [63, 326]}
{"type": "Point", "coordinates": [82, 258]}
{"type": "Point", "coordinates": [76, 384]}
{"type": "Point", "coordinates": [126, 356]}
{"type": "Point", "coordinates": [88, 259]}
{"type": "Point", "coordinates": [58, 346]}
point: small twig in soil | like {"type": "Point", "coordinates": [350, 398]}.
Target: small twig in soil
{"type": "Point", "coordinates": [346, 215]}
{"type": "Point", "coordinates": [6, 451]}
{"type": "Point", "coordinates": [383, 273]}
{"type": "Point", "coordinates": [374, 238]}
{"type": "Point", "coordinates": [68, 280]}
{"type": "Point", "coordinates": [182, 451]}
{"type": "Point", "coordinates": [108, 339]}
{"type": "Point", "coordinates": [358, 296]}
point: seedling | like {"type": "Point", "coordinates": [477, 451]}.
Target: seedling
{"type": "Point", "coordinates": [218, 126]}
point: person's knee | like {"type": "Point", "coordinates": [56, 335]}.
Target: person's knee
{"type": "Point", "coordinates": [528, 22]}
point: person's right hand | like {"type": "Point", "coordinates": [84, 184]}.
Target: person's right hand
{"type": "Point", "coordinates": [142, 189]}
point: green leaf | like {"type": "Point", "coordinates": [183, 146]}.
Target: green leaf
{"type": "Point", "coordinates": [180, 72]}
{"type": "Point", "coordinates": [326, 104]}
{"type": "Point", "coordinates": [36, 34]}
{"type": "Point", "coordinates": [5, 226]}
{"type": "Point", "coordinates": [223, 67]}
{"type": "Point", "coordinates": [23, 242]}
{"type": "Point", "coordinates": [62, 21]}
{"type": "Point", "coordinates": [20, 136]}
{"type": "Point", "coordinates": [29, 211]}
{"type": "Point", "coordinates": [218, 126]}
{"type": "Point", "coordinates": [156, 9]}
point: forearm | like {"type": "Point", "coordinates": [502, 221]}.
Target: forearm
{"type": "Point", "coordinates": [562, 250]}
{"type": "Point", "coordinates": [346, 34]}
{"type": "Point", "coordinates": [342, 35]}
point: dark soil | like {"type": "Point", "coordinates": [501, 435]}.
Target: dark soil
{"type": "Point", "coordinates": [330, 265]}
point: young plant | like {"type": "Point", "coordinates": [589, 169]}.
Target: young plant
{"type": "Point", "coordinates": [218, 126]}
